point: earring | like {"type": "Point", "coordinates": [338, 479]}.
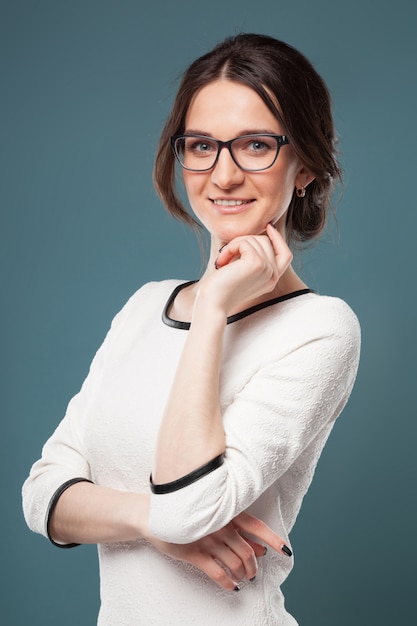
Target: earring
{"type": "Point", "coordinates": [301, 192]}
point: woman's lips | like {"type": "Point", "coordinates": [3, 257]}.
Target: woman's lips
{"type": "Point", "coordinates": [231, 206]}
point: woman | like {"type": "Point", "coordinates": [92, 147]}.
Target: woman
{"type": "Point", "coordinates": [225, 388]}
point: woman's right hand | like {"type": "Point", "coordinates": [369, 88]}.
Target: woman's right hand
{"type": "Point", "coordinates": [249, 267]}
{"type": "Point", "coordinates": [228, 556]}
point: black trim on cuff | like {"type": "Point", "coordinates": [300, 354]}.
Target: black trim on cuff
{"type": "Point", "coordinates": [52, 504]}
{"type": "Point", "coordinates": [188, 479]}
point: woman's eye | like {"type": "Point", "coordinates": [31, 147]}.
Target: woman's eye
{"type": "Point", "coordinates": [258, 146]}
{"type": "Point", "coordinates": [200, 147]}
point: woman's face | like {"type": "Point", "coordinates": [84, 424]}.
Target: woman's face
{"type": "Point", "coordinates": [227, 200]}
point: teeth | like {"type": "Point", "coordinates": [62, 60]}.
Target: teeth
{"type": "Point", "coordinates": [229, 202]}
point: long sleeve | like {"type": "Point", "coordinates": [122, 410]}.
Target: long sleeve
{"type": "Point", "coordinates": [275, 426]}
{"type": "Point", "coordinates": [64, 456]}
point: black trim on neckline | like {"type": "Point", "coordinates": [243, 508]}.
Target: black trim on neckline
{"type": "Point", "coordinates": [169, 321]}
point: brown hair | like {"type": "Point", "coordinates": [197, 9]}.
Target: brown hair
{"type": "Point", "coordinates": [278, 74]}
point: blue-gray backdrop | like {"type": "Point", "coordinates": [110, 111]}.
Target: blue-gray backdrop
{"type": "Point", "coordinates": [85, 87]}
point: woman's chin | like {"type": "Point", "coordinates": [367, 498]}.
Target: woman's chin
{"type": "Point", "coordinates": [226, 235]}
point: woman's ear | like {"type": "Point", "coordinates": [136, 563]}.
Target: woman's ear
{"type": "Point", "coordinates": [303, 178]}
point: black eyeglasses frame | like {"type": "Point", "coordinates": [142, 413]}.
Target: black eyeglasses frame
{"type": "Point", "coordinates": [282, 140]}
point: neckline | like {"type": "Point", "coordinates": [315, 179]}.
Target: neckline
{"type": "Point", "coordinates": [169, 321]}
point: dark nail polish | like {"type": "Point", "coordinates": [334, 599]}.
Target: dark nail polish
{"type": "Point", "coordinates": [265, 550]}
{"type": "Point", "coordinates": [285, 549]}
{"type": "Point", "coordinates": [252, 579]}
{"type": "Point", "coordinates": [237, 588]}
{"type": "Point", "coordinates": [215, 265]}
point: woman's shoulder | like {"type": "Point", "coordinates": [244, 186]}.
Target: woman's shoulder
{"type": "Point", "coordinates": [332, 311]}
{"type": "Point", "coordinates": [154, 291]}
{"type": "Point", "coordinates": [149, 299]}
{"type": "Point", "coordinates": [331, 307]}
{"type": "Point", "coordinates": [310, 317]}
{"type": "Point", "coordinates": [326, 316]}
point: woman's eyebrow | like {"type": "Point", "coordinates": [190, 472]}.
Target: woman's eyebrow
{"type": "Point", "coordinates": [245, 131]}
{"type": "Point", "coordinates": [194, 131]}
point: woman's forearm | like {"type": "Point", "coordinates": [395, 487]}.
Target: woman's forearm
{"type": "Point", "coordinates": [191, 433]}
{"type": "Point", "coordinates": [88, 513]}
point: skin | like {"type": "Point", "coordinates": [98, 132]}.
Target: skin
{"type": "Point", "coordinates": [254, 265]}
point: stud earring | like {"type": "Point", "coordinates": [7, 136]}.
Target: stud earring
{"type": "Point", "coordinates": [301, 192]}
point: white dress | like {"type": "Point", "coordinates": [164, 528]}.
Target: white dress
{"type": "Point", "coordinates": [287, 371]}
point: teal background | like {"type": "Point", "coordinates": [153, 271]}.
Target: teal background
{"type": "Point", "coordinates": [85, 88]}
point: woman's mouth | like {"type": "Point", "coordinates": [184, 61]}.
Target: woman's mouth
{"type": "Point", "coordinates": [230, 202]}
{"type": "Point", "coordinates": [231, 206]}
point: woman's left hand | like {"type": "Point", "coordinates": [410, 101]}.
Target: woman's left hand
{"type": "Point", "coordinates": [228, 555]}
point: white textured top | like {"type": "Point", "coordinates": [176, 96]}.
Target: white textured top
{"type": "Point", "coordinates": [287, 372]}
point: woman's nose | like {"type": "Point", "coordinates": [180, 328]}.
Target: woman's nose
{"type": "Point", "coordinates": [226, 173]}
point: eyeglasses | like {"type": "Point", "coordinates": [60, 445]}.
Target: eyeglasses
{"type": "Point", "coordinates": [252, 153]}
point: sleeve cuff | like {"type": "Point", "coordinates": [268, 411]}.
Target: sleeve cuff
{"type": "Point", "coordinates": [188, 479]}
{"type": "Point", "coordinates": [58, 493]}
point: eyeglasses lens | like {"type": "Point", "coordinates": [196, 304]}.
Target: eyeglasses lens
{"type": "Point", "coordinates": [252, 152]}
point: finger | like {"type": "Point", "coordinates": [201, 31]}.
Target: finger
{"type": "Point", "coordinates": [263, 246]}
{"type": "Point", "coordinates": [242, 247]}
{"type": "Point", "coordinates": [256, 527]}
{"type": "Point", "coordinates": [219, 575]}
{"type": "Point", "coordinates": [282, 252]}
{"type": "Point", "coordinates": [234, 250]}
{"type": "Point", "coordinates": [233, 551]}
{"type": "Point", "coordinates": [200, 554]}
{"type": "Point", "coordinates": [216, 572]}
{"type": "Point", "coordinates": [243, 551]}
{"type": "Point", "coordinates": [232, 562]}
{"type": "Point", "coordinates": [259, 550]}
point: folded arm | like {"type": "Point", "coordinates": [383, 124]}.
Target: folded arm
{"type": "Point", "coordinates": [286, 410]}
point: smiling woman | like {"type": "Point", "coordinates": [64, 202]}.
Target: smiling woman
{"type": "Point", "coordinates": [224, 388]}
{"type": "Point", "coordinates": [258, 182]}
{"type": "Point", "coordinates": [299, 102]}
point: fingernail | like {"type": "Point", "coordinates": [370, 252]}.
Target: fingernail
{"type": "Point", "coordinates": [215, 265]}
{"type": "Point", "coordinates": [252, 579]}
{"type": "Point", "coordinates": [223, 246]}
{"type": "Point", "coordinates": [265, 550]}
{"type": "Point", "coordinates": [237, 588]}
{"type": "Point", "coordinates": [285, 549]}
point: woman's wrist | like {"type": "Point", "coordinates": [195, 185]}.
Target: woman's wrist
{"type": "Point", "coordinates": [140, 516]}
{"type": "Point", "coordinates": [87, 513]}
{"type": "Point", "coordinates": [208, 309]}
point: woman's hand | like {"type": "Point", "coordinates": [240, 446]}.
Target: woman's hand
{"type": "Point", "coordinates": [251, 266]}
{"type": "Point", "coordinates": [227, 556]}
